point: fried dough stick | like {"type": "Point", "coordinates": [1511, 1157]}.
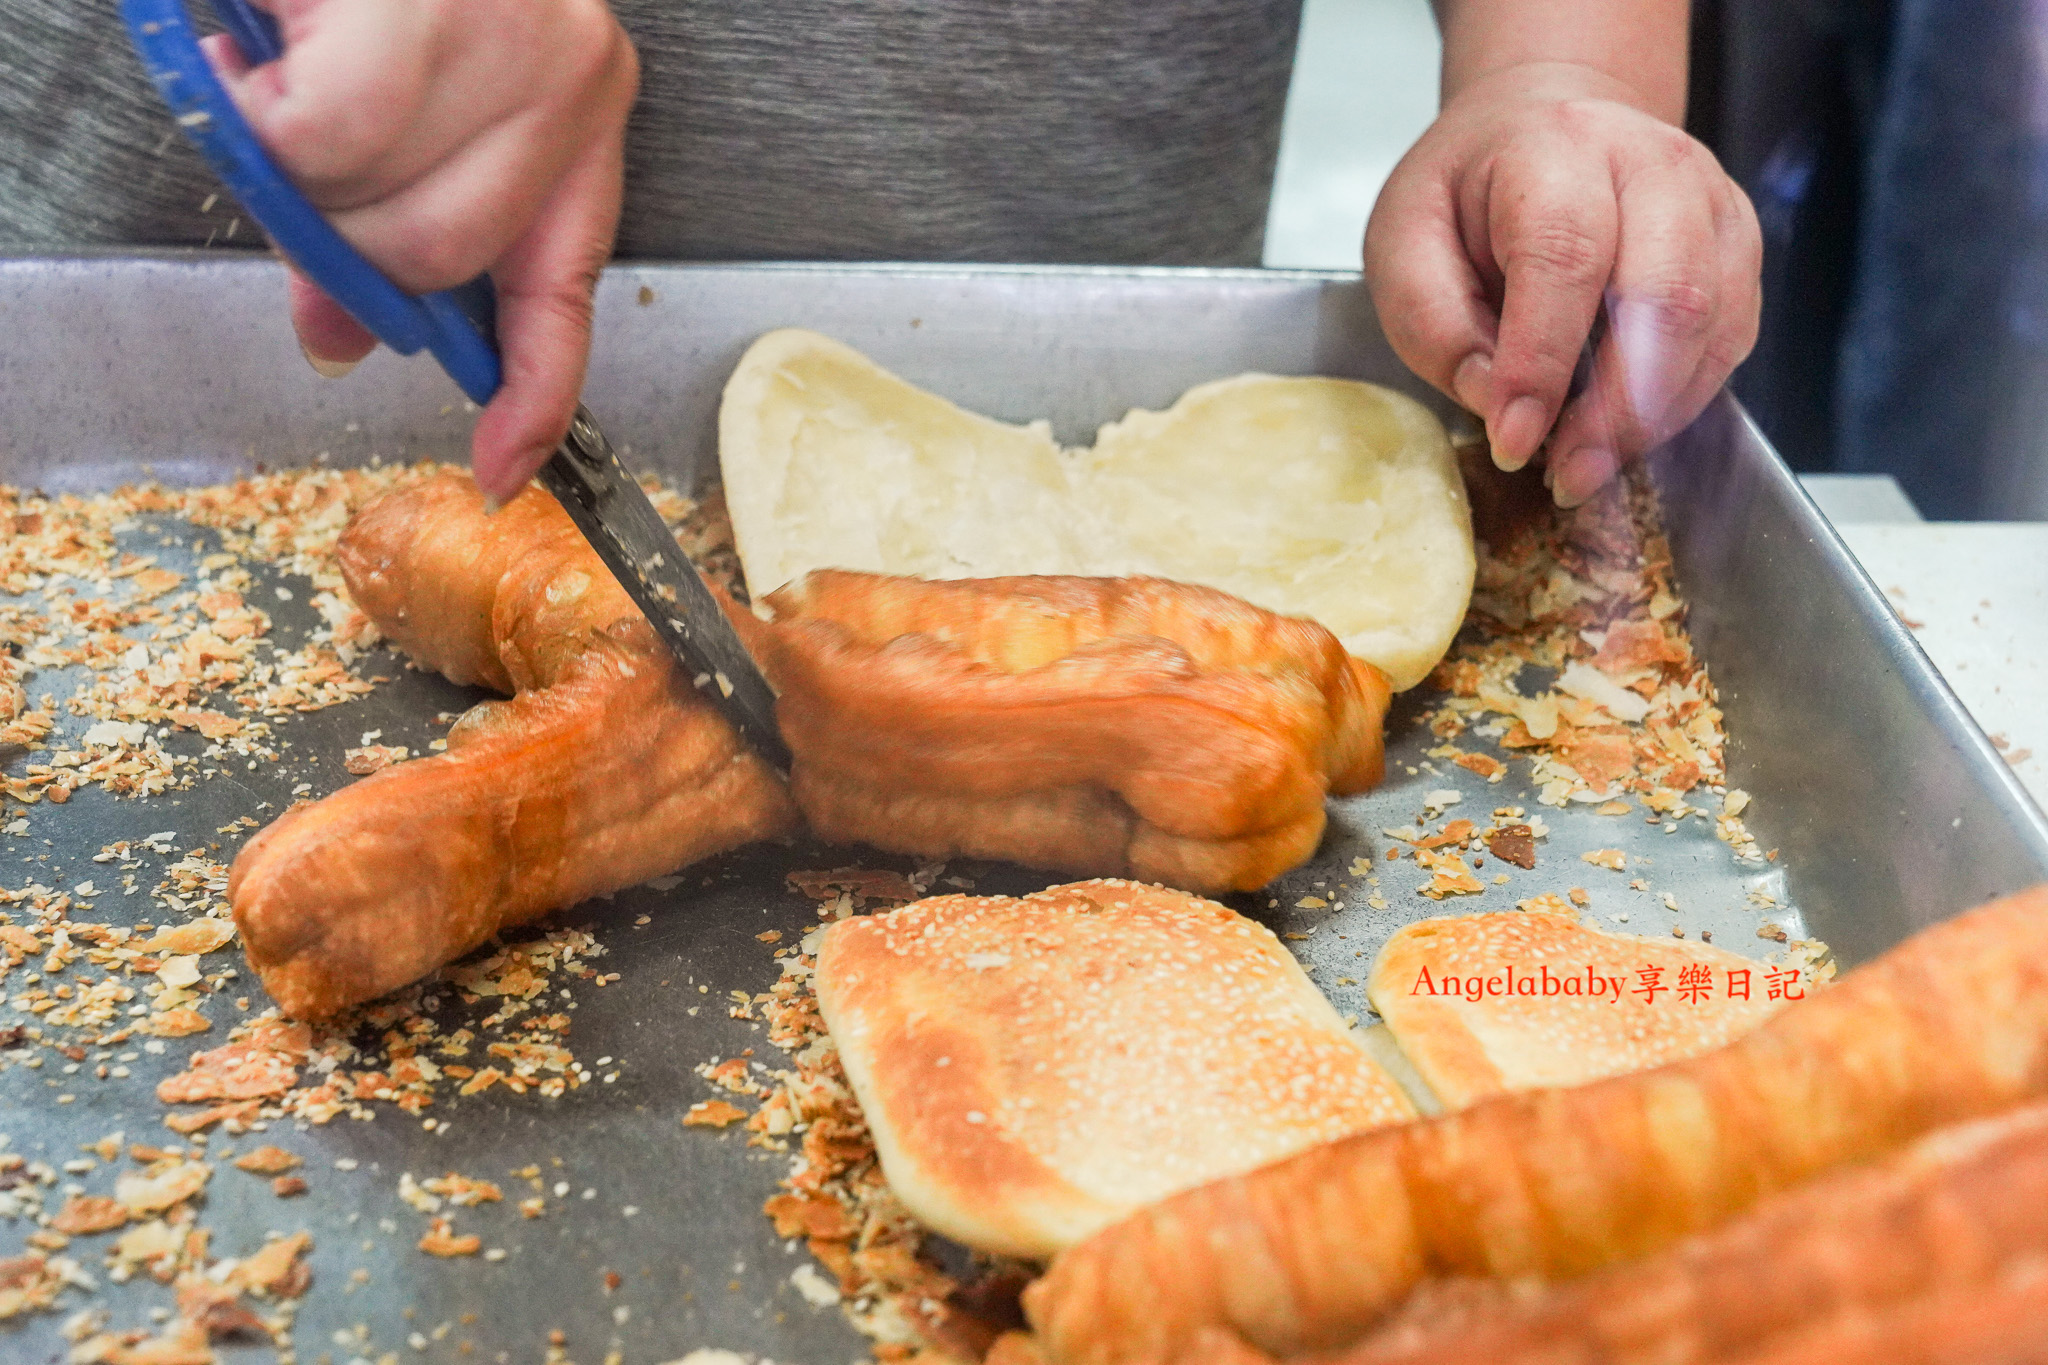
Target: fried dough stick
{"type": "Point", "coordinates": [1095, 726]}
{"type": "Point", "coordinates": [1312, 1251]}
{"type": "Point", "coordinates": [1898, 1260]}
{"type": "Point", "coordinates": [606, 768]}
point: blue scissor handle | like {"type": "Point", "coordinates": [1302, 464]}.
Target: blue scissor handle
{"type": "Point", "coordinates": [254, 31]}
{"type": "Point", "coordinates": [454, 324]}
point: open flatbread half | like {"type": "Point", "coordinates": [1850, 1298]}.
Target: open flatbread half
{"type": "Point", "coordinates": [1326, 498]}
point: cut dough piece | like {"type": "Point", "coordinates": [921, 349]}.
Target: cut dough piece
{"type": "Point", "coordinates": [1557, 1001]}
{"type": "Point", "coordinates": [1034, 1069]}
{"type": "Point", "coordinates": [1119, 727]}
{"type": "Point", "coordinates": [1325, 498]}
{"type": "Point", "coordinates": [605, 769]}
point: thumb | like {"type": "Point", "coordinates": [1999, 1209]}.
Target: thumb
{"type": "Point", "coordinates": [545, 285]}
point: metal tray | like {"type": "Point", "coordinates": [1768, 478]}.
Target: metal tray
{"type": "Point", "coordinates": [1890, 807]}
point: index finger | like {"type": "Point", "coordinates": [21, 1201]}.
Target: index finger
{"type": "Point", "coordinates": [1432, 303]}
{"type": "Point", "coordinates": [545, 285]}
{"type": "Point", "coordinates": [1553, 227]}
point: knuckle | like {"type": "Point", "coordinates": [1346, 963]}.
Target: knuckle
{"type": "Point", "coordinates": [1748, 231]}
{"type": "Point", "coordinates": [1555, 245]}
{"type": "Point", "coordinates": [1730, 349]}
{"type": "Point", "coordinates": [593, 48]}
{"type": "Point", "coordinates": [570, 303]}
{"type": "Point", "coordinates": [1539, 371]}
{"type": "Point", "coordinates": [339, 141]}
{"type": "Point", "coordinates": [1578, 116]}
{"type": "Point", "coordinates": [1676, 147]}
{"type": "Point", "coordinates": [327, 156]}
{"type": "Point", "coordinates": [1680, 309]}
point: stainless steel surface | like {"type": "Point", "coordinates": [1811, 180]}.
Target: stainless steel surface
{"type": "Point", "coordinates": [607, 505]}
{"type": "Point", "coordinates": [1891, 806]}
{"type": "Point", "coordinates": [1891, 810]}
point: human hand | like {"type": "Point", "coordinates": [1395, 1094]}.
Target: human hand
{"type": "Point", "coordinates": [1542, 194]}
{"type": "Point", "coordinates": [444, 138]}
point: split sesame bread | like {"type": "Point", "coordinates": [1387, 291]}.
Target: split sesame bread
{"type": "Point", "coordinates": [1035, 1068]}
{"type": "Point", "coordinates": [1510, 1001]}
{"type": "Point", "coordinates": [1310, 1252]}
{"type": "Point", "coordinates": [1326, 498]}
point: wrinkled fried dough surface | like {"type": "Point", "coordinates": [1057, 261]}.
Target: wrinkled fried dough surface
{"type": "Point", "coordinates": [1035, 1068]}
{"type": "Point", "coordinates": [1124, 727]}
{"type": "Point", "coordinates": [1325, 498]}
{"type": "Point", "coordinates": [1311, 1251]}
{"type": "Point", "coordinates": [604, 770]}
{"type": "Point", "coordinates": [1089, 726]}
{"type": "Point", "coordinates": [1936, 1254]}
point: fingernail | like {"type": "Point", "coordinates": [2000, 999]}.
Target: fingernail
{"type": "Point", "coordinates": [1581, 474]}
{"type": "Point", "coordinates": [1517, 434]}
{"type": "Point", "coordinates": [1472, 380]}
{"type": "Point", "coordinates": [495, 498]}
{"type": "Point", "coordinates": [327, 369]}
{"type": "Point", "coordinates": [497, 485]}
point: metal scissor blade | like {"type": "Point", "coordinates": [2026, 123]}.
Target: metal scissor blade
{"type": "Point", "coordinates": [608, 506]}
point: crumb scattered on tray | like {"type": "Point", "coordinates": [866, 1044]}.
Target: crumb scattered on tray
{"type": "Point", "coordinates": [1628, 712]}
{"type": "Point", "coordinates": [266, 1160]}
{"type": "Point", "coordinates": [877, 1261]}
{"type": "Point", "coordinates": [442, 1240]}
{"type": "Point", "coordinates": [106, 656]}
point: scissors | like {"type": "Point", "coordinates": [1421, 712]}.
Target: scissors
{"type": "Point", "coordinates": [456, 326]}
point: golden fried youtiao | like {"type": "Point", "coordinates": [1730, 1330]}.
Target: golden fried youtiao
{"type": "Point", "coordinates": [606, 768]}
{"type": "Point", "coordinates": [1095, 726]}
{"type": "Point", "coordinates": [1312, 1251]}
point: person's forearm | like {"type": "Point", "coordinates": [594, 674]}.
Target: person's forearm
{"type": "Point", "coordinates": [1640, 45]}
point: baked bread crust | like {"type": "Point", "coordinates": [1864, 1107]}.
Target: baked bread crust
{"type": "Point", "coordinates": [1556, 1001]}
{"type": "Point", "coordinates": [1034, 1068]}
{"type": "Point", "coordinates": [1310, 1252]}
{"type": "Point", "coordinates": [1309, 496]}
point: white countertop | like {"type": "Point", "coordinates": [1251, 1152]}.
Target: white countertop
{"type": "Point", "coordinates": [1975, 595]}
